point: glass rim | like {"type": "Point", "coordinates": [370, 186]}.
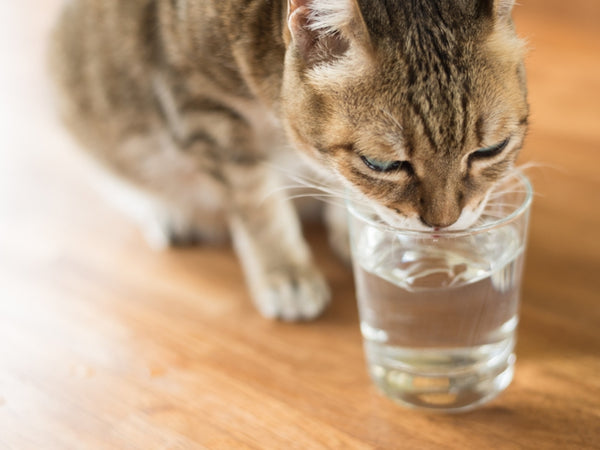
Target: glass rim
{"type": "Point", "coordinates": [516, 213]}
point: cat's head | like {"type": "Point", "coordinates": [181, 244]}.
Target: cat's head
{"type": "Point", "coordinates": [419, 107]}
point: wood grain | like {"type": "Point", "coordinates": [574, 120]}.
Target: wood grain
{"type": "Point", "coordinates": [105, 344]}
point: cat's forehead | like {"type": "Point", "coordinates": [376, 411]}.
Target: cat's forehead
{"type": "Point", "coordinates": [398, 19]}
{"type": "Point", "coordinates": [431, 114]}
{"type": "Point", "coordinates": [444, 105]}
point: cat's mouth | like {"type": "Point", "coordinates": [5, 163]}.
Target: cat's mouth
{"type": "Point", "coordinates": [467, 219]}
{"type": "Point", "coordinates": [471, 215]}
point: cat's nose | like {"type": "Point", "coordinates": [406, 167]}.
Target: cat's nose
{"type": "Point", "coordinates": [438, 222]}
{"type": "Point", "coordinates": [440, 208]}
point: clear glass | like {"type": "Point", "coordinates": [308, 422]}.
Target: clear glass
{"type": "Point", "coordinates": [439, 310]}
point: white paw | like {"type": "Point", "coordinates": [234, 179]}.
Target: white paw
{"type": "Point", "coordinates": [156, 235]}
{"type": "Point", "coordinates": [163, 233]}
{"type": "Point", "coordinates": [292, 295]}
{"type": "Point", "coordinates": [163, 236]}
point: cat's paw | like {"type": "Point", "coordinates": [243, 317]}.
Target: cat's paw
{"type": "Point", "coordinates": [162, 234]}
{"type": "Point", "coordinates": [292, 295]}
{"type": "Point", "coordinates": [161, 237]}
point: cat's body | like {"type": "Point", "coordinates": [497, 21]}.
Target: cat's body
{"type": "Point", "coordinates": [189, 103]}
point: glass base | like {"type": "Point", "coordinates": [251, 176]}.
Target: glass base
{"type": "Point", "coordinates": [442, 380]}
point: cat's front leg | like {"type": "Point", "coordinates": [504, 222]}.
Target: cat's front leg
{"type": "Point", "coordinates": [266, 232]}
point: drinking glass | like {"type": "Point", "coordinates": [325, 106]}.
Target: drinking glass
{"type": "Point", "coordinates": [439, 310]}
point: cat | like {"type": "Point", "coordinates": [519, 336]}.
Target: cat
{"type": "Point", "coordinates": [418, 107]}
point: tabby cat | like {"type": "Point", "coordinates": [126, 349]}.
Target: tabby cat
{"type": "Point", "coordinates": [416, 106]}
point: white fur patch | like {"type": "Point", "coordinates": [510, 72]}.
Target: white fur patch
{"type": "Point", "coordinates": [330, 15]}
{"type": "Point", "coordinates": [352, 65]}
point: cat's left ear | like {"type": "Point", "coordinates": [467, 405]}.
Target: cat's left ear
{"type": "Point", "coordinates": [323, 30]}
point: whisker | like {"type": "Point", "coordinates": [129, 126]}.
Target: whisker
{"type": "Point", "coordinates": [329, 201]}
{"type": "Point", "coordinates": [305, 183]}
{"type": "Point", "coordinates": [315, 196]}
{"type": "Point", "coordinates": [392, 118]}
{"type": "Point", "coordinates": [496, 194]}
{"type": "Point", "coordinates": [494, 216]}
{"type": "Point", "coordinates": [496, 204]}
{"type": "Point", "coordinates": [317, 187]}
{"type": "Point", "coordinates": [539, 165]}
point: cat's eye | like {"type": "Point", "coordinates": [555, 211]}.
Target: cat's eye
{"type": "Point", "coordinates": [489, 152]}
{"type": "Point", "coordinates": [386, 166]}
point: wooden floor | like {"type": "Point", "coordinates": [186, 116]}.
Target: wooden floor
{"type": "Point", "coordinates": [106, 344]}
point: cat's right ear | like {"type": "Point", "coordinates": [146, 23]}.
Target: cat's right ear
{"type": "Point", "coordinates": [324, 30]}
{"type": "Point", "coordinates": [503, 8]}
{"type": "Point", "coordinates": [499, 9]}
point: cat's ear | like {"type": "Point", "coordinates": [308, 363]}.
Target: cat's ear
{"type": "Point", "coordinates": [324, 30]}
{"type": "Point", "coordinates": [500, 9]}
{"type": "Point", "coordinates": [503, 8]}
